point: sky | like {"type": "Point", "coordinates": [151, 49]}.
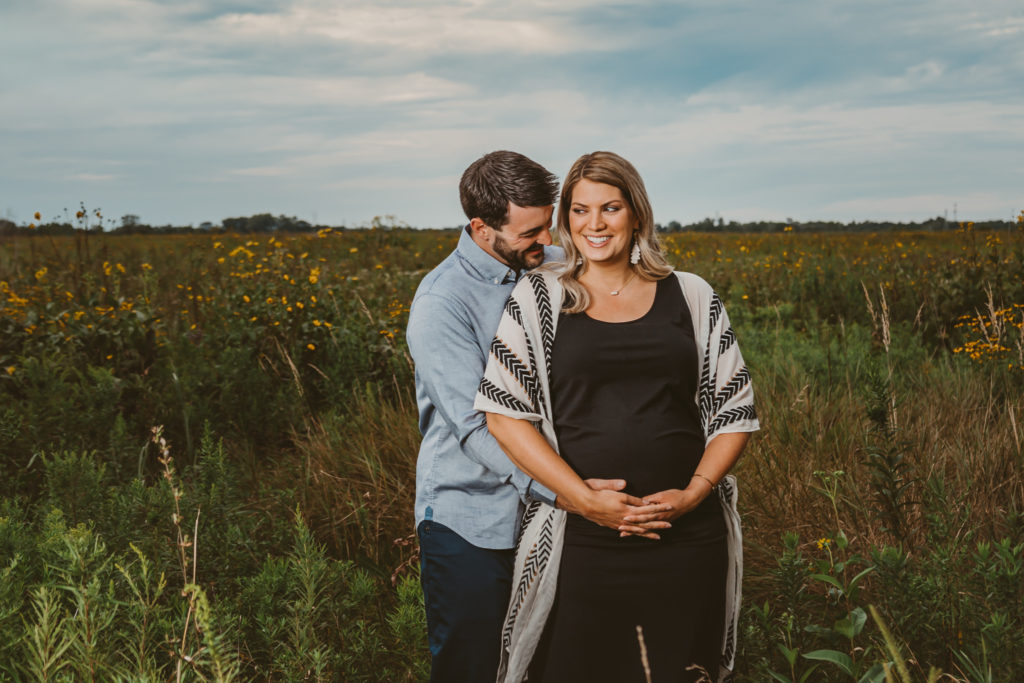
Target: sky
{"type": "Point", "coordinates": [337, 111]}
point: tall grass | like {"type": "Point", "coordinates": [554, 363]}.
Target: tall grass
{"type": "Point", "coordinates": [276, 542]}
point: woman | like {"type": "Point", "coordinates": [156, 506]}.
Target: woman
{"type": "Point", "coordinates": [612, 366]}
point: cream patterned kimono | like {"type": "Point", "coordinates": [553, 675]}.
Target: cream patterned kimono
{"type": "Point", "coordinates": [516, 384]}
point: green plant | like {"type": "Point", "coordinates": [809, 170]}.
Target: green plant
{"type": "Point", "coordinates": [890, 472]}
{"type": "Point", "coordinates": [46, 639]}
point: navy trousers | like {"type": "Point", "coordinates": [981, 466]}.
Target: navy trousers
{"type": "Point", "coordinates": [466, 591]}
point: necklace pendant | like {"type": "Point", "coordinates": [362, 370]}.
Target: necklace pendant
{"type": "Point", "coordinates": [615, 293]}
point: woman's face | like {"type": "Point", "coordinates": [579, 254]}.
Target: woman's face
{"type": "Point", "coordinates": [601, 222]}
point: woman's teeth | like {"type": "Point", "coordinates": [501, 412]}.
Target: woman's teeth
{"type": "Point", "coordinates": [598, 240]}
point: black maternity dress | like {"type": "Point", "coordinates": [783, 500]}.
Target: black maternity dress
{"type": "Point", "coordinates": [623, 398]}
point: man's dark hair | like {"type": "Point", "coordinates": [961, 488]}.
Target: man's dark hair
{"type": "Point", "coordinates": [495, 179]}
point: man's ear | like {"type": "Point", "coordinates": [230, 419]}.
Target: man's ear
{"type": "Point", "coordinates": [478, 227]}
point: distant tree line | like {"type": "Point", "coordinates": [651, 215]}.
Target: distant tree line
{"type": "Point", "coordinates": [930, 225]}
{"type": "Point", "coordinates": [130, 224]}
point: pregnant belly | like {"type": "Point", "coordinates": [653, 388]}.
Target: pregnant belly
{"type": "Point", "coordinates": [649, 460]}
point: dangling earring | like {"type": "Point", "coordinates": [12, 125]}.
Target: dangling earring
{"type": "Point", "coordinates": [634, 254]}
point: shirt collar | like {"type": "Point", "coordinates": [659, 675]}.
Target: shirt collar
{"type": "Point", "coordinates": [486, 266]}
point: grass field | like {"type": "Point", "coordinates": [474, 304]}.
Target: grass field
{"type": "Point", "coordinates": [207, 452]}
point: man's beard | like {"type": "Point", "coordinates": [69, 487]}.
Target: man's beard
{"type": "Point", "coordinates": [519, 260]}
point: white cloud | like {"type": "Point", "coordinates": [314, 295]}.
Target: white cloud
{"type": "Point", "coordinates": [440, 183]}
{"type": "Point", "coordinates": [92, 177]}
{"type": "Point", "coordinates": [375, 107]}
{"type": "Point", "coordinates": [284, 92]}
{"type": "Point", "coordinates": [436, 29]}
{"type": "Point", "coordinates": [855, 131]}
{"type": "Point", "coordinates": [263, 171]}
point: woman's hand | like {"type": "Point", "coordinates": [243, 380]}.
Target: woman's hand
{"type": "Point", "coordinates": [720, 455]}
{"type": "Point", "coordinates": [673, 503]}
{"type": "Point", "coordinates": [615, 510]}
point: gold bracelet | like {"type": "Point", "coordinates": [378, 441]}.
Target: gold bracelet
{"type": "Point", "coordinates": [697, 474]}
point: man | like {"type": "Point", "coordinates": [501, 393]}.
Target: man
{"type": "Point", "coordinates": [468, 493]}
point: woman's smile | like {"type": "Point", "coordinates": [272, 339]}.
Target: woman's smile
{"type": "Point", "coordinates": [601, 222]}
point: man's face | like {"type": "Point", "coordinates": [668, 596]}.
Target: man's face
{"type": "Point", "coordinates": [520, 242]}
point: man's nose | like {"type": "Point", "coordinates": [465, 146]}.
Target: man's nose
{"type": "Point", "coordinates": [544, 237]}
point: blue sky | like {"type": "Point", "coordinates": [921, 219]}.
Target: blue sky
{"type": "Point", "coordinates": [335, 111]}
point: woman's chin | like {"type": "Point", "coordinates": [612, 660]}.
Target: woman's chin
{"type": "Point", "coordinates": [603, 257]}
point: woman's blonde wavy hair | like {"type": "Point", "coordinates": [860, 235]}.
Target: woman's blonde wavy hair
{"type": "Point", "coordinates": [611, 169]}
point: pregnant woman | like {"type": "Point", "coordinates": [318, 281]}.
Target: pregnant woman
{"type": "Point", "coordinates": [613, 366]}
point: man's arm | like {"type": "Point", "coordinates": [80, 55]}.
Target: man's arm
{"type": "Point", "coordinates": [449, 365]}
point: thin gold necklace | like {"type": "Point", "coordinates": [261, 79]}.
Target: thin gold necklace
{"type": "Point", "coordinates": [628, 280]}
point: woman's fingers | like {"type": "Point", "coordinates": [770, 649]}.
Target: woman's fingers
{"type": "Point", "coordinates": [606, 484]}
{"type": "Point", "coordinates": [617, 510]}
{"type": "Point", "coordinates": [648, 512]}
{"type": "Point", "coordinates": [645, 527]}
{"type": "Point", "coordinates": [638, 531]}
{"type": "Point", "coordinates": [632, 500]}
{"type": "Point", "coordinates": [659, 515]}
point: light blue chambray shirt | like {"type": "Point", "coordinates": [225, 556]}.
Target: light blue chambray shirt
{"type": "Point", "coordinates": [463, 478]}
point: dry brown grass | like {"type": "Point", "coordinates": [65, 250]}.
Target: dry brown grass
{"type": "Point", "coordinates": [357, 474]}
